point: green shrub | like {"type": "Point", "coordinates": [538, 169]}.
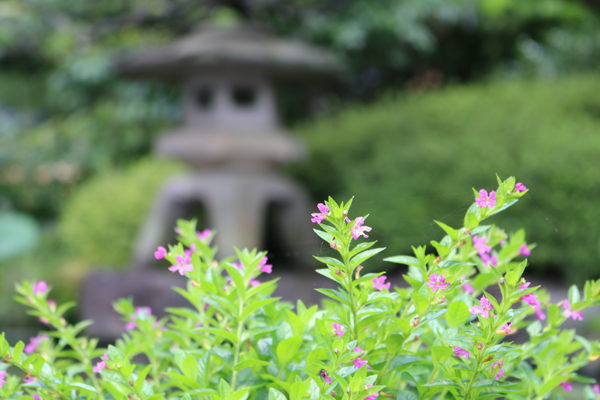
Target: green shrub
{"type": "Point", "coordinates": [418, 152]}
{"type": "Point", "coordinates": [101, 221]}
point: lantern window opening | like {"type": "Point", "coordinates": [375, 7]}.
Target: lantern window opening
{"type": "Point", "coordinates": [244, 96]}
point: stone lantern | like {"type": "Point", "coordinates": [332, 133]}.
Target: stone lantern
{"type": "Point", "coordinates": [232, 139]}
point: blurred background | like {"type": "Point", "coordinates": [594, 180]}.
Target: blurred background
{"type": "Point", "coordinates": [432, 97]}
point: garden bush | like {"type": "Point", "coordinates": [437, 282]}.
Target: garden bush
{"type": "Point", "coordinates": [442, 337]}
{"type": "Point", "coordinates": [415, 153]}
{"type": "Point", "coordinates": [100, 222]}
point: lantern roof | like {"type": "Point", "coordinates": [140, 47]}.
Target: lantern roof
{"type": "Point", "coordinates": [240, 47]}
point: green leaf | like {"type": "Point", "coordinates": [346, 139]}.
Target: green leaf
{"type": "Point", "coordinates": [241, 394]}
{"type": "Point", "coordinates": [440, 354]}
{"type": "Point", "coordinates": [224, 389]}
{"type": "Point", "coordinates": [78, 385]}
{"type": "Point", "coordinates": [238, 279]}
{"type": "Point", "coordinates": [297, 391]}
{"type": "Point", "coordinates": [406, 260]}
{"type": "Point", "coordinates": [249, 309]}
{"type": "Point", "coordinates": [324, 235]}
{"type": "Point", "coordinates": [406, 395]}
{"type": "Point", "coordinates": [421, 304]}
{"type": "Point", "coordinates": [287, 349]}
{"type": "Point", "coordinates": [453, 233]}
{"type": "Point", "coordinates": [275, 394]}
{"type": "Point", "coordinates": [574, 295]}
{"type": "Point", "coordinates": [364, 256]}
{"type": "Point", "coordinates": [17, 351]}
{"type": "Point", "coordinates": [336, 295]}
{"type": "Point", "coordinates": [219, 332]}
{"type": "Point", "coordinates": [141, 378]}
{"type": "Point", "coordinates": [394, 343]}
{"type": "Point", "coordinates": [471, 221]}
{"type": "Point", "coordinates": [458, 313]}
{"type": "Point", "coordinates": [250, 363]}
{"type": "Point", "coordinates": [190, 367]}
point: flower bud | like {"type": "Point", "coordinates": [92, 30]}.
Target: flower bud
{"type": "Point", "coordinates": [334, 393]}
{"type": "Point", "coordinates": [358, 269]}
{"type": "Point", "coordinates": [437, 260]}
{"type": "Point", "coordinates": [488, 359]}
{"type": "Point", "coordinates": [415, 321]}
{"type": "Point", "coordinates": [439, 301]}
{"type": "Point", "coordinates": [347, 390]}
{"type": "Point", "coordinates": [194, 283]}
{"type": "Point", "coordinates": [502, 281]}
{"type": "Point", "coordinates": [594, 357]}
{"type": "Point", "coordinates": [479, 346]}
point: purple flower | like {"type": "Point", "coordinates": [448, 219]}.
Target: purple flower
{"type": "Point", "coordinates": [254, 282]}
{"type": "Point", "coordinates": [525, 252]}
{"type": "Point", "coordinates": [30, 379]}
{"type": "Point", "coordinates": [596, 389]}
{"type": "Point", "coordinates": [99, 367]}
{"type": "Point", "coordinates": [576, 315]}
{"type": "Point", "coordinates": [480, 244]}
{"type": "Point", "coordinates": [373, 396]}
{"type": "Point", "coordinates": [36, 397]}
{"type": "Point", "coordinates": [238, 265]}
{"type": "Point", "coordinates": [358, 363]}
{"type": "Point", "coordinates": [183, 265]}
{"type": "Point", "coordinates": [437, 282]}
{"type": "Point", "coordinates": [484, 200]}
{"type": "Point", "coordinates": [358, 229]}
{"type": "Point", "coordinates": [519, 187]}
{"type": "Point", "coordinates": [506, 329]}
{"type": "Point", "coordinates": [205, 234]}
{"type": "Point", "coordinates": [525, 285]}
{"type": "Point", "coordinates": [191, 250]}
{"type": "Point", "coordinates": [540, 314]}
{"type": "Point", "coordinates": [34, 342]}
{"type": "Point", "coordinates": [567, 386]}
{"type": "Point", "coordinates": [468, 288]}
{"type": "Point", "coordinates": [483, 310]}
{"type": "Point", "coordinates": [531, 299]}
{"type": "Point", "coordinates": [378, 283]}
{"type": "Point", "coordinates": [2, 377]}
{"type": "Point", "coordinates": [264, 267]}
{"type": "Point", "coordinates": [500, 372]}
{"type": "Point", "coordinates": [319, 217]}
{"type": "Point", "coordinates": [130, 325]}
{"type": "Point", "coordinates": [490, 260]}
{"type": "Point", "coordinates": [160, 253]}
{"type": "Point", "coordinates": [40, 288]}
{"type": "Point", "coordinates": [326, 377]}
{"type": "Point", "coordinates": [460, 352]}
{"type": "Point", "coordinates": [339, 329]}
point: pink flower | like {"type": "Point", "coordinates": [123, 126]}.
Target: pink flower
{"type": "Point", "coordinates": [40, 288]}
{"type": "Point", "coordinates": [326, 377]}
{"type": "Point", "coordinates": [99, 367]}
{"type": "Point", "coordinates": [480, 244]}
{"type": "Point", "coordinates": [468, 288]}
{"type": "Point", "coordinates": [160, 253]}
{"type": "Point", "coordinates": [500, 372]}
{"type": "Point", "coordinates": [130, 325]}
{"type": "Point", "coordinates": [183, 265]}
{"type": "Point", "coordinates": [596, 389]}
{"type": "Point", "coordinates": [576, 315]}
{"type": "Point", "coordinates": [358, 363]}
{"type": "Point", "coordinates": [31, 379]}
{"type": "Point", "coordinates": [34, 342]}
{"type": "Point", "coordinates": [490, 260]}
{"type": "Point", "coordinates": [373, 396]}
{"type": "Point", "coordinates": [378, 283]}
{"type": "Point", "coordinates": [525, 285]}
{"type": "Point", "coordinates": [483, 310]}
{"type": "Point", "coordinates": [437, 282]}
{"type": "Point", "coordinates": [506, 329]}
{"type": "Point", "coordinates": [254, 282]}
{"type": "Point", "coordinates": [319, 217]}
{"type": "Point", "coordinates": [531, 299]}
{"type": "Point", "coordinates": [2, 377]}
{"type": "Point", "coordinates": [567, 386]}
{"type": "Point", "coordinates": [36, 397]}
{"type": "Point", "coordinates": [264, 267]}
{"type": "Point", "coordinates": [358, 229]}
{"type": "Point", "coordinates": [540, 314]}
{"type": "Point", "coordinates": [191, 250]}
{"type": "Point", "coordinates": [484, 200]}
{"type": "Point", "coordinates": [525, 252]}
{"type": "Point", "coordinates": [339, 329]}
{"type": "Point", "coordinates": [146, 310]}
{"type": "Point", "coordinates": [519, 187]}
{"type": "Point", "coordinates": [238, 265]}
{"type": "Point", "coordinates": [460, 352]}
{"type": "Point", "coordinates": [205, 234]}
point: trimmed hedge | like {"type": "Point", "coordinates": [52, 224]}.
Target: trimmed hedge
{"type": "Point", "coordinates": [416, 153]}
{"type": "Point", "coordinates": [100, 222]}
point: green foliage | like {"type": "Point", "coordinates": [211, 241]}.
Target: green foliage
{"type": "Point", "coordinates": [415, 153]}
{"type": "Point", "coordinates": [107, 211]}
{"type": "Point", "coordinates": [238, 342]}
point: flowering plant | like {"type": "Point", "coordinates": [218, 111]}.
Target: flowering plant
{"type": "Point", "coordinates": [448, 335]}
